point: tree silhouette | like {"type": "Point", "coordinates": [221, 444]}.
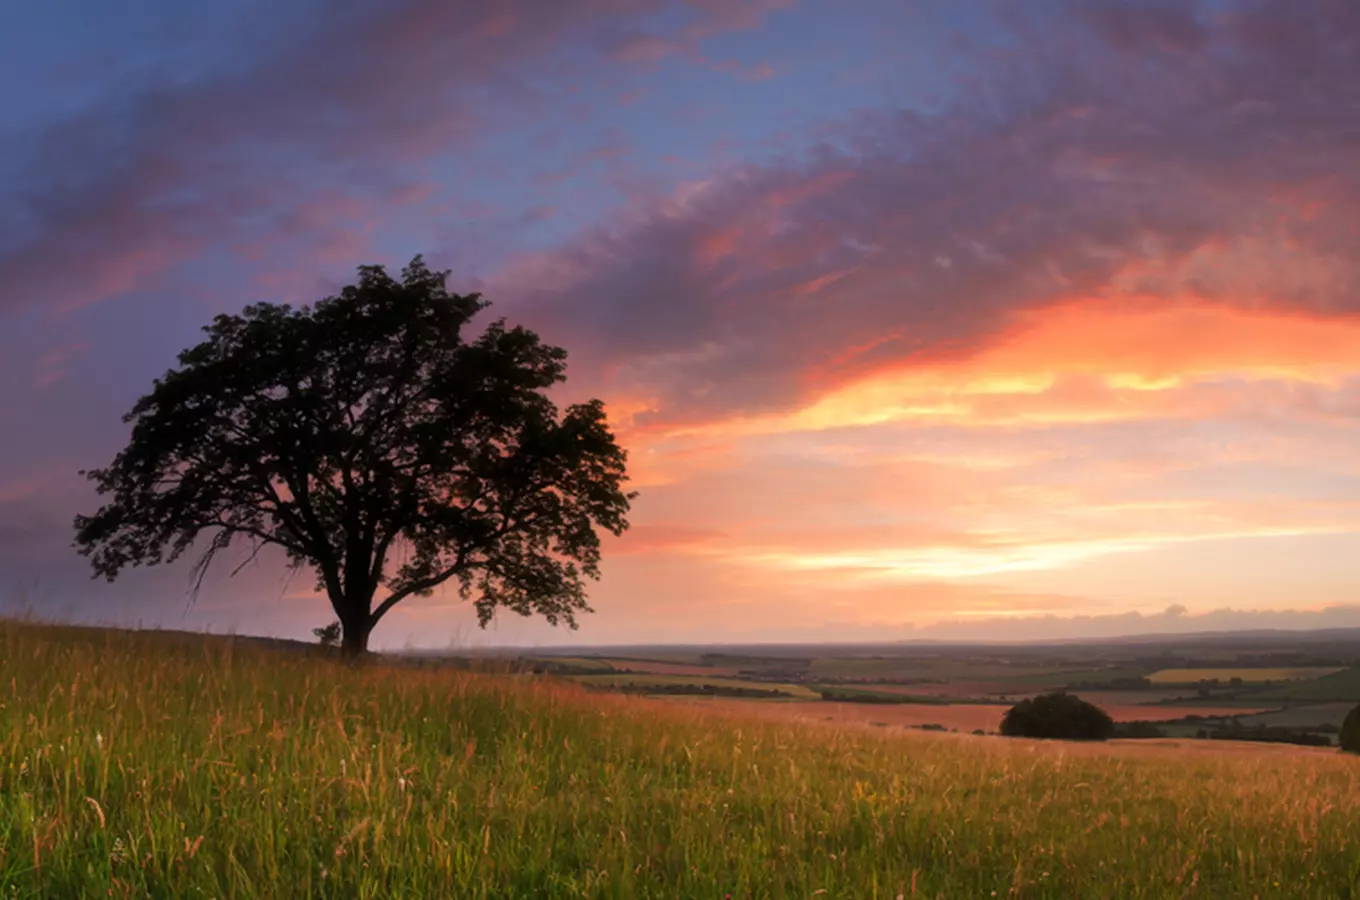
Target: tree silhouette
{"type": "Point", "coordinates": [372, 440]}
{"type": "Point", "coordinates": [1057, 715]}
{"type": "Point", "coordinates": [1350, 731]}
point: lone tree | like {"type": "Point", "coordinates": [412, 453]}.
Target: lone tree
{"type": "Point", "coordinates": [1057, 715]}
{"type": "Point", "coordinates": [374, 441]}
{"type": "Point", "coordinates": [1350, 731]}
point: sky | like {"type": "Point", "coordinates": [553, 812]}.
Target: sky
{"type": "Point", "coordinates": [946, 319]}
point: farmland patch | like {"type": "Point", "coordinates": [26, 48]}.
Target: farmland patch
{"type": "Point", "coordinates": [1247, 675]}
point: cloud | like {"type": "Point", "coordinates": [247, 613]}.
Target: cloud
{"type": "Point", "coordinates": [1159, 26]}
{"type": "Point", "coordinates": [1091, 306]}
{"type": "Point", "coordinates": [53, 365]}
{"type": "Point", "coordinates": [663, 538]}
{"type": "Point", "coordinates": [161, 172]}
{"type": "Point", "coordinates": [709, 18]}
{"type": "Point", "coordinates": [1175, 620]}
{"type": "Point", "coordinates": [1073, 172]}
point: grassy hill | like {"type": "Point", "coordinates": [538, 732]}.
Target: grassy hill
{"type": "Point", "coordinates": [136, 765]}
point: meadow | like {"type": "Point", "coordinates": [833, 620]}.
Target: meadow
{"type": "Point", "coordinates": [161, 765]}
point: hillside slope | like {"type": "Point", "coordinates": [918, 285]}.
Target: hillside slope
{"type": "Point", "coordinates": [134, 766]}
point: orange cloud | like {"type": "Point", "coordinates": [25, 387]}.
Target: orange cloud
{"type": "Point", "coordinates": [1082, 362]}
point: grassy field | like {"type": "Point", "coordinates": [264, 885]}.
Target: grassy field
{"type": "Point", "coordinates": [1247, 675]}
{"type": "Point", "coordinates": [149, 765]}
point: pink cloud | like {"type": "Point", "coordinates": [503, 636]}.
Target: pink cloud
{"type": "Point", "coordinates": [663, 538]}
{"type": "Point", "coordinates": [713, 17]}
{"type": "Point", "coordinates": [1055, 179]}
{"type": "Point", "coordinates": [164, 175]}
{"type": "Point", "coordinates": [53, 365]}
{"type": "Point", "coordinates": [761, 71]}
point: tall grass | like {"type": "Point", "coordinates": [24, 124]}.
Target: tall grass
{"type": "Point", "coordinates": [142, 765]}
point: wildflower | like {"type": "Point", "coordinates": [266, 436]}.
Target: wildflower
{"type": "Point", "coordinates": [99, 740]}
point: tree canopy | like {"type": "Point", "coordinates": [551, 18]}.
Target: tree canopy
{"type": "Point", "coordinates": [376, 442]}
{"type": "Point", "coordinates": [1350, 731]}
{"type": "Point", "coordinates": [1057, 715]}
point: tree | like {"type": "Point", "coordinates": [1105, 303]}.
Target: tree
{"type": "Point", "coordinates": [1057, 715]}
{"type": "Point", "coordinates": [375, 442]}
{"type": "Point", "coordinates": [1350, 731]}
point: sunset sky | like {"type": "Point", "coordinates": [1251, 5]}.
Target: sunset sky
{"type": "Point", "coordinates": [935, 319]}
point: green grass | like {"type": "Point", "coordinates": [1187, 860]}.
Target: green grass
{"type": "Point", "coordinates": [1248, 675]}
{"type": "Point", "coordinates": [150, 765]}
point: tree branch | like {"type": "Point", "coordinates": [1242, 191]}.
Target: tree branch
{"type": "Point", "coordinates": [423, 584]}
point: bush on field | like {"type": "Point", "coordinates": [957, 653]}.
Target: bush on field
{"type": "Point", "coordinates": [1057, 715]}
{"type": "Point", "coordinates": [1350, 731]}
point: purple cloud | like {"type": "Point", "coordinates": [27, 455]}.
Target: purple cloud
{"type": "Point", "coordinates": [1071, 168]}
{"type": "Point", "coordinates": [168, 170]}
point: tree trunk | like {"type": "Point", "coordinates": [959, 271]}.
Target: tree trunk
{"type": "Point", "coordinates": [356, 621]}
{"type": "Point", "coordinates": [354, 637]}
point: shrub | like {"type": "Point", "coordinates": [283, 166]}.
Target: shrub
{"type": "Point", "coordinates": [328, 635]}
{"type": "Point", "coordinates": [1350, 731]}
{"type": "Point", "coordinates": [1057, 715]}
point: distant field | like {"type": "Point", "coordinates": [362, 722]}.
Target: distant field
{"type": "Point", "coordinates": [642, 666]}
{"type": "Point", "coordinates": [994, 690]}
{"type": "Point", "coordinates": [917, 668]}
{"type": "Point", "coordinates": [136, 766]}
{"type": "Point", "coordinates": [1338, 686]}
{"type": "Point", "coordinates": [643, 680]}
{"type": "Point", "coordinates": [1248, 675]}
{"type": "Point", "coordinates": [1172, 713]}
{"type": "Point", "coordinates": [1068, 676]}
{"type": "Point", "coordinates": [576, 662]}
{"type": "Point", "coordinates": [854, 693]}
{"type": "Point", "coordinates": [663, 667]}
{"type": "Point", "coordinates": [1135, 698]}
{"type": "Point", "coordinates": [1314, 716]}
{"type": "Point", "coordinates": [951, 690]}
{"type": "Point", "coordinates": [961, 716]}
